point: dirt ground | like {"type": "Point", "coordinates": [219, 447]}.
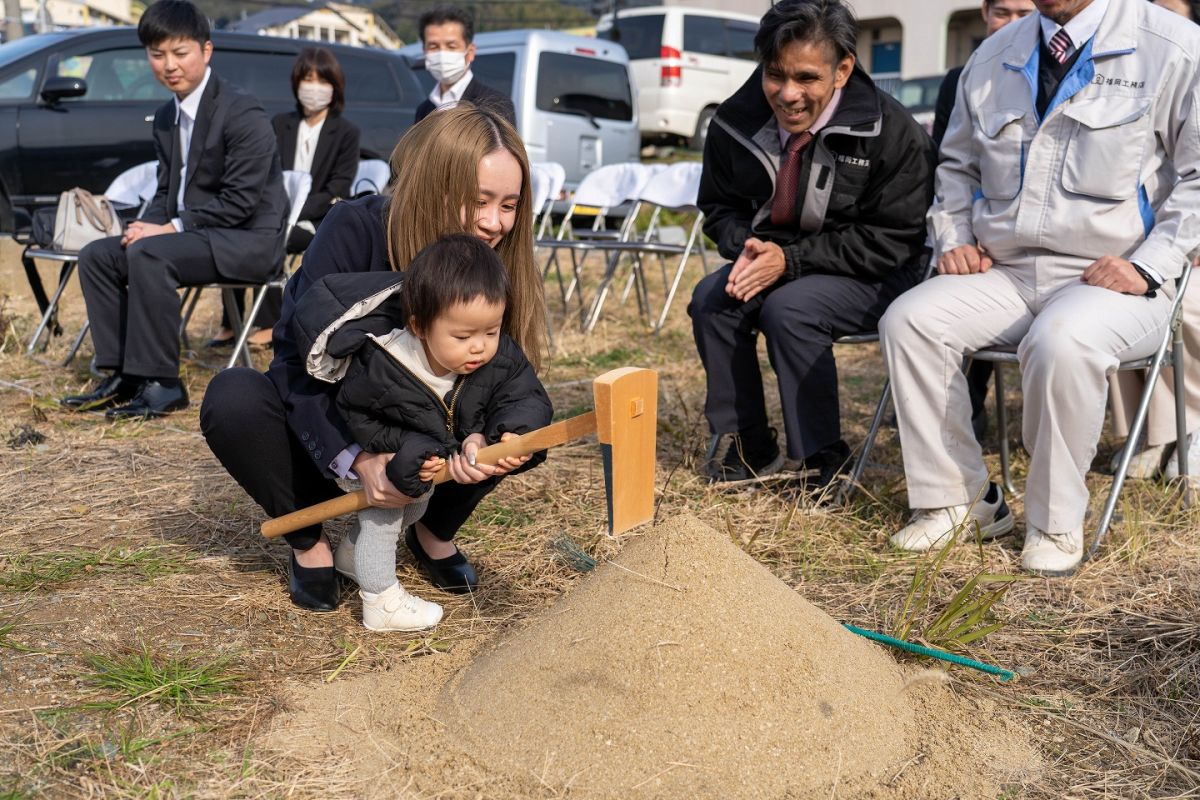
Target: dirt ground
{"type": "Point", "coordinates": [148, 649]}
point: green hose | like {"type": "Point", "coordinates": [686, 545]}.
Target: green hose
{"type": "Point", "coordinates": [921, 650]}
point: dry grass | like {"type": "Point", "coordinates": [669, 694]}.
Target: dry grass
{"type": "Point", "coordinates": [142, 544]}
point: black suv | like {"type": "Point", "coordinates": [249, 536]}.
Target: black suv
{"type": "Point", "coordinates": [76, 106]}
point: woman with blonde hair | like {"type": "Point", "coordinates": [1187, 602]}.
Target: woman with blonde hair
{"type": "Point", "coordinates": [461, 170]}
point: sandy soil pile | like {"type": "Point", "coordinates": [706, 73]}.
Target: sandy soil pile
{"type": "Point", "coordinates": [681, 669]}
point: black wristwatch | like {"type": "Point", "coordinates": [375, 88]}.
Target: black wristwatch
{"type": "Point", "coordinates": [1152, 286]}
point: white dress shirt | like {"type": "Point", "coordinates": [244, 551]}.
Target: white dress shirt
{"type": "Point", "coordinates": [451, 95]}
{"type": "Point", "coordinates": [306, 145]}
{"type": "Point", "coordinates": [185, 118]}
{"type": "Point", "coordinates": [1080, 27]}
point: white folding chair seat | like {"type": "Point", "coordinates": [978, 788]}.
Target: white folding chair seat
{"type": "Point", "coordinates": [373, 176]}
{"type": "Point", "coordinates": [600, 192]}
{"type": "Point", "coordinates": [668, 188]}
{"type": "Point", "coordinates": [554, 176]}
{"type": "Point", "coordinates": [133, 188]}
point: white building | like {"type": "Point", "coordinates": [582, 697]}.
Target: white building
{"type": "Point", "coordinates": [335, 22]}
{"type": "Point", "coordinates": [916, 38]}
{"type": "Point", "coordinates": [59, 14]}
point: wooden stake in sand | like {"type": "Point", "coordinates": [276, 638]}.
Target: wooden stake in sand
{"type": "Point", "coordinates": [625, 421]}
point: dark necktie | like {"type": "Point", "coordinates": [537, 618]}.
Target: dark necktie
{"type": "Point", "coordinates": [783, 206]}
{"type": "Point", "coordinates": [1060, 43]}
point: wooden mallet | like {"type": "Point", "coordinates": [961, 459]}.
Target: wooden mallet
{"type": "Point", "coordinates": [625, 420]}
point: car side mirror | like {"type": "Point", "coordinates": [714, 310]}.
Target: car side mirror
{"type": "Point", "coordinates": [59, 88]}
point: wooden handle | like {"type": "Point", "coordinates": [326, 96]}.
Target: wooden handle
{"type": "Point", "coordinates": [525, 445]}
{"type": "Point", "coordinates": [346, 504]}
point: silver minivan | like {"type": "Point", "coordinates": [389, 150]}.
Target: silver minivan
{"type": "Point", "coordinates": [573, 95]}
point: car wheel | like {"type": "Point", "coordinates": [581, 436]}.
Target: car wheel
{"type": "Point", "coordinates": [702, 123]}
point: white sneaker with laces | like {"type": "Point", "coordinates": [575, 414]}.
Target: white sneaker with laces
{"type": "Point", "coordinates": [1193, 461]}
{"type": "Point", "coordinates": [394, 609]}
{"type": "Point", "coordinates": [930, 527]}
{"type": "Point", "coordinates": [1052, 554]}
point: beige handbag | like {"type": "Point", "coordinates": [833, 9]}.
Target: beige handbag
{"type": "Point", "coordinates": [83, 217]}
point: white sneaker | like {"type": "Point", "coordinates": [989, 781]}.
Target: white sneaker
{"type": "Point", "coordinates": [930, 527]}
{"type": "Point", "coordinates": [343, 558]}
{"type": "Point", "coordinates": [1052, 554]}
{"type": "Point", "coordinates": [394, 609]}
{"type": "Point", "coordinates": [1193, 461]}
{"type": "Point", "coordinates": [1146, 464]}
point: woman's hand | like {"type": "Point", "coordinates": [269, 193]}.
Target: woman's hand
{"type": "Point", "coordinates": [381, 492]}
{"type": "Point", "coordinates": [430, 468]}
{"type": "Point", "coordinates": [462, 468]}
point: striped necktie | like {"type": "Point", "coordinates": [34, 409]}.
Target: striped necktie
{"type": "Point", "coordinates": [1060, 43]}
{"type": "Point", "coordinates": [783, 206]}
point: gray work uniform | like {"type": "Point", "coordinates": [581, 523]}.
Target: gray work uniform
{"type": "Point", "coordinates": [1110, 168]}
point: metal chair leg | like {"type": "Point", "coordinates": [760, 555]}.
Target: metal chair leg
{"type": "Point", "coordinates": [860, 465]}
{"type": "Point", "coordinates": [87, 325]}
{"type": "Point", "coordinates": [240, 327]}
{"type": "Point", "coordinates": [1135, 431]}
{"type": "Point", "coordinates": [1002, 425]}
{"type": "Point", "coordinates": [47, 320]}
{"type": "Point", "coordinates": [191, 296]}
{"type": "Point", "coordinates": [1181, 422]}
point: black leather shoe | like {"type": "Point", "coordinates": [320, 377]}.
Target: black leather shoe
{"type": "Point", "coordinates": [452, 573]}
{"type": "Point", "coordinates": [313, 588]}
{"type": "Point", "coordinates": [116, 388]}
{"type": "Point", "coordinates": [152, 400]}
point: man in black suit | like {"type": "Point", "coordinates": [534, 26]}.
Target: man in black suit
{"type": "Point", "coordinates": [448, 34]}
{"type": "Point", "coordinates": [219, 213]}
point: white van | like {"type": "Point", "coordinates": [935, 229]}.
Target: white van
{"type": "Point", "coordinates": [573, 95]}
{"type": "Point", "coordinates": [685, 63]}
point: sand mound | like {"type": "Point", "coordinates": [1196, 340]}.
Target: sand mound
{"type": "Point", "coordinates": [685, 666]}
{"type": "Point", "coordinates": [681, 669]}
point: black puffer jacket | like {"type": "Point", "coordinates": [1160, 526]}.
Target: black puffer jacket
{"type": "Point", "coordinates": [865, 184]}
{"type": "Point", "coordinates": [388, 408]}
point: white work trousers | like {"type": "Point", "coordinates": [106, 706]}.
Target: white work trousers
{"type": "Point", "coordinates": [1069, 336]}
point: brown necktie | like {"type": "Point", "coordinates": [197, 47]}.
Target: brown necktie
{"type": "Point", "coordinates": [783, 206]}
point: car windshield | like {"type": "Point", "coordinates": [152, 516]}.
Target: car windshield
{"type": "Point", "coordinates": [13, 51]}
{"type": "Point", "coordinates": [917, 94]}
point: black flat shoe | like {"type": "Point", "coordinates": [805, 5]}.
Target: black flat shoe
{"type": "Point", "coordinates": [114, 389]}
{"type": "Point", "coordinates": [152, 400]}
{"type": "Point", "coordinates": [452, 573]}
{"type": "Point", "coordinates": [313, 588]}
{"type": "Point", "coordinates": [218, 344]}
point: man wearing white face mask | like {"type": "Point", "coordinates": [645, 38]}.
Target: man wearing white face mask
{"type": "Point", "coordinates": [447, 35]}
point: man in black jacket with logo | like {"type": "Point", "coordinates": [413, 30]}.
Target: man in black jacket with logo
{"type": "Point", "coordinates": [815, 186]}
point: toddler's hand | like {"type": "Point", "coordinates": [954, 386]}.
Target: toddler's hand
{"type": "Point", "coordinates": [507, 465]}
{"type": "Point", "coordinates": [430, 468]}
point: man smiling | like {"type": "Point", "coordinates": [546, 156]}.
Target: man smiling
{"type": "Point", "coordinates": [815, 186]}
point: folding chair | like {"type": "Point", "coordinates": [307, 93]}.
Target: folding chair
{"type": "Point", "coordinates": [132, 189]}
{"type": "Point", "coordinates": [373, 176]}
{"type": "Point", "coordinates": [601, 193]}
{"type": "Point", "coordinates": [297, 185]}
{"type": "Point", "coordinates": [552, 176]}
